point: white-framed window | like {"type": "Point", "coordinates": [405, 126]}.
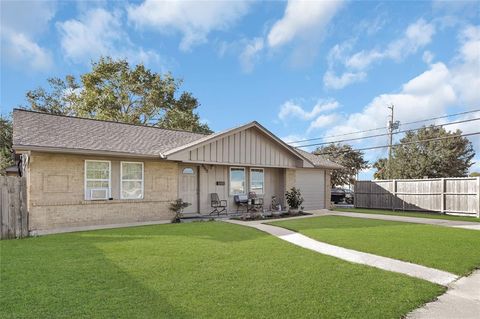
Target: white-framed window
{"type": "Point", "coordinates": [237, 180]}
{"type": "Point", "coordinates": [131, 180]}
{"type": "Point", "coordinates": [257, 181]}
{"type": "Point", "coordinates": [97, 180]}
{"type": "Point", "coordinates": [188, 171]}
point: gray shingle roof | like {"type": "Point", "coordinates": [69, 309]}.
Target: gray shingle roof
{"type": "Point", "coordinates": [319, 161]}
{"type": "Point", "coordinates": [40, 130]}
{"type": "Point", "coordinates": [65, 132]}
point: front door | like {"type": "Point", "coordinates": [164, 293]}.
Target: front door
{"type": "Point", "coordinates": [188, 187]}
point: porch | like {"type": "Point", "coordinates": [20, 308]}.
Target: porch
{"type": "Point", "coordinates": [197, 183]}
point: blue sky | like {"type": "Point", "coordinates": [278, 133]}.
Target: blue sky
{"type": "Point", "coordinates": [303, 69]}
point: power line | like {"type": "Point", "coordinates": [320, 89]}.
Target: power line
{"type": "Point", "coordinates": [384, 134]}
{"type": "Point", "coordinates": [382, 128]}
{"type": "Point", "coordinates": [401, 144]}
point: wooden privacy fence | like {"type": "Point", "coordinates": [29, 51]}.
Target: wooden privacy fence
{"type": "Point", "coordinates": [13, 207]}
{"type": "Point", "coordinates": [445, 195]}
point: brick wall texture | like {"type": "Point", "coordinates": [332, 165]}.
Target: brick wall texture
{"type": "Point", "coordinates": [56, 193]}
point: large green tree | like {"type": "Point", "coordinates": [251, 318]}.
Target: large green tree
{"type": "Point", "coordinates": [343, 154]}
{"type": "Point", "coordinates": [114, 90]}
{"type": "Point", "coordinates": [6, 155]}
{"type": "Point", "coordinates": [450, 156]}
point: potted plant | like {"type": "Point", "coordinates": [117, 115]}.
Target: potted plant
{"type": "Point", "coordinates": [294, 200]}
{"type": "Point", "coordinates": [177, 208]}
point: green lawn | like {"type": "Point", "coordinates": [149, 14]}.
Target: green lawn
{"type": "Point", "coordinates": [450, 249]}
{"type": "Point", "coordinates": [408, 214]}
{"type": "Point", "coordinates": [193, 270]}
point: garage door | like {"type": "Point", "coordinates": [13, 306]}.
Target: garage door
{"type": "Point", "coordinates": [311, 183]}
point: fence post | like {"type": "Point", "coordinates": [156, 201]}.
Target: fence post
{"type": "Point", "coordinates": [443, 197]}
{"type": "Point", "coordinates": [23, 207]}
{"type": "Point", "coordinates": [478, 197]}
{"type": "Point", "coordinates": [394, 192]}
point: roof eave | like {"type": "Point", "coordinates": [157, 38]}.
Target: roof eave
{"type": "Point", "coordinates": [48, 149]}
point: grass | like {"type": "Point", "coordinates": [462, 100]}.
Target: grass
{"type": "Point", "coordinates": [409, 214]}
{"type": "Point", "coordinates": [193, 270]}
{"type": "Point", "coordinates": [450, 249]}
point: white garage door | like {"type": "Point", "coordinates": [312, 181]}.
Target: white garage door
{"type": "Point", "coordinates": [311, 183]}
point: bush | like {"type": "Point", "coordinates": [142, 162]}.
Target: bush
{"type": "Point", "coordinates": [294, 198]}
{"type": "Point", "coordinates": [177, 207]}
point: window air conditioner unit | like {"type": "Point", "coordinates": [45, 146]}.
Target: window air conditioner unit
{"type": "Point", "coordinates": [99, 193]}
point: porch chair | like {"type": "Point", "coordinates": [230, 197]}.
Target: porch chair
{"type": "Point", "coordinates": [241, 201]}
{"type": "Point", "coordinates": [256, 203]}
{"type": "Point", "coordinates": [219, 205]}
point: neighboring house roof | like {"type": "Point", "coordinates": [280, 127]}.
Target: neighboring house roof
{"type": "Point", "coordinates": [10, 170]}
{"type": "Point", "coordinates": [35, 130]}
{"type": "Point", "coordinates": [318, 160]}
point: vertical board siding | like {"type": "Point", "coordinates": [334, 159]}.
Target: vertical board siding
{"type": "Point", "coordinates": [13, 207]}
{"type": "Point", "coordinates": [445, 195]}
{"type": "Point", "coordinates": [231, 148]}
{"type": "Point", "coordinates": [250, 147]}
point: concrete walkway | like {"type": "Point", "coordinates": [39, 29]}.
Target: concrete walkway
{"type": "Point", "coordinates": [406, 219]}
{"type": "Point", "coordinates": [433, 275]}
{"type": "Point", "coordinates": [462, 300]}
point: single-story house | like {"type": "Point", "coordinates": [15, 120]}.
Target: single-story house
{"type": "Point", "coordinates": [86, 172]}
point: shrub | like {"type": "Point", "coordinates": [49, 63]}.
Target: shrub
{"type": "Point", "coordinates": [294, 198]}
{"type": "Point", "coordinates": [177, 207]}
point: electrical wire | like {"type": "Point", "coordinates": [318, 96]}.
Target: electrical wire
{"type": "Point", "coordinates": [384, 134]}
{"type": "Point", "coordinates": [382, 128]}
{"type": "Point", "coordinates": [401, 144]}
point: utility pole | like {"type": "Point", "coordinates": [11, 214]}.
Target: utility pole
{"type": "Point", "coordinates": [392, 125]}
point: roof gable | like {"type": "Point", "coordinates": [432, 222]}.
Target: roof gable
{"type": "Point", "coordinates": [249, 144]}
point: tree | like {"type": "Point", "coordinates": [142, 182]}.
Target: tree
{"type": "Point", "coordinates": [381, 167]}
{"type": "Point", "coordinates": [352, 161]}
{"type": "Point", "coordinates": [6, 154]}
{"type": "Point", "coordinates": [448, 157]}
{"type": "Point", "coordinates": [475, 174]}
{"type": "Point", "coordinates": [113, 90]}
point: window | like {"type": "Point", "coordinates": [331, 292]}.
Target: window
{"type": "Point", "coordinates": [131, 179]}
{"type": "Point", "coordinates": [188, 171]}
{"type": "Point", "coordinates": [97, 180]}
{"type": "Point", "coordinates": [237, 180]}
{"type": "Point", "coordinates": [256, 180]}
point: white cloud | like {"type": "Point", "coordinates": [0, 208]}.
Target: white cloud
{"type": "Point", "coordinates": [302, 19]}
{"type": "Point", "coordinates": [20, 23]}
{"type": "Point", "coordinates": [332, 81]}
{"type": "Point", "coordinates": [427, 57]}
{"type": "Point", "coordinates": [193, 19]}
{"type": "Point", "coordinates": [417, 35]}
{"type": "Point", "coordinates": [98, 32]}
{"type": "Point", "coordinates": [466, 69]}
{"type": "Point", "coordinates": [323, 121]}
{"type": "Point", "coordinates": [436, 91]}
{"type": "Point", "coordinates": [361, 60]}
{"type": "Point", "coordinates": [304, 22]}
{"type": "Point", "coordinates": [23, 50]}
{"type": "Point", "coordinates": [26, 17]}
{"type": "Point", "coordinates": [291, 109]}
{"type": "Point", "coordinates": [249, 54]}
{"type": "Point", "coordinates": [293, 138]}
